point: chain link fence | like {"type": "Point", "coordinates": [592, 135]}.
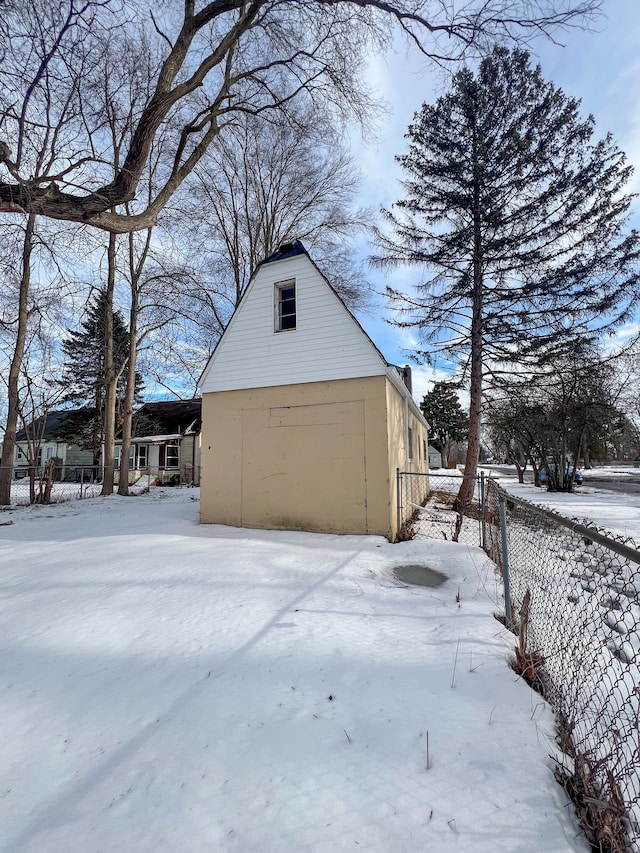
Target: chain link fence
{"type": "Point", "coordinates": [426, 507]}
{"type": "Point", "coordinates": [54, 484]}
{"type": "Point", "coordinates": [572, 596]}
{"type": "Point", "coordinates": [572, 599]}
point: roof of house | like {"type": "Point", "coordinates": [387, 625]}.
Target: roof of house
{"type": "Point", "coordinates": [340, 346]}
{"type": "Point", "coordinates": [168, 419]}
{"type": "Point", "coordinates": [53, 425]}
{"type": "Point", "coordinates": [286, 250]}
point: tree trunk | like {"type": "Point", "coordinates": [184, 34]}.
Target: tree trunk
{"type": "Point", "coordinates": [520, 470]}
{"type": "Point", "coordinates": [135, 274]}
{"type": "Point", "coordinates": [467, 489]}
{"type": "Point", "coordinates": [123, 482]}
{"type": "Point", "coordinates": [465, 494]}
{"type": "Point", "coordinates": [110, 377]}
{"type": "Point", "coordinates": [536, 473]}
{"type": "Point", "coordinates": [48, 484]}
{"type": "Point", "coordinates": [96, 430]}
{"type": "Point", "coordinates": [32, 482]}
{"type": "Point", "coordinates": [9, 440]}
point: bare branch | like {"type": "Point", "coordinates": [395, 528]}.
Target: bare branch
{"type": "Point", "coordinates": [230, 57]}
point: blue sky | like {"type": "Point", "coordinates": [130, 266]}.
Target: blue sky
{"type": "Point", "coordinates": [600, 66]}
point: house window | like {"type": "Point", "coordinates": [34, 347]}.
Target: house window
{"type": "Point", "coordinates": [171, 458]}
{"type": "Point", "coordinates": [424, 450]}
{"type": "Point", "coordinates": [118, 453]}
{"type": "Point", "coordinates": [285, 299]}
{"type": "Point", "coordinates": [410, 440]}
{"type": "Point", "coordinates": [142, 456]}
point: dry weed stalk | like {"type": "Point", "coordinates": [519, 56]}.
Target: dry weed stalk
{"type": "Point", "coordinates": [527, 663]}
{"type": "Point", "coordinates": [601, 814]}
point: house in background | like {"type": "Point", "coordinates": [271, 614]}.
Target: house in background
{"type": "Point", "coordinates": [304, 422]}
{"type": "Point", "coordinates": [435, 457]}
{"type": "Point", "coordinates": [166, 441]}
{"type": "Point", "coordinates": [47, 435]}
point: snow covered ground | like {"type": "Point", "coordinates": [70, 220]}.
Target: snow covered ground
{"type": "Point", "coordinates": [169, 686]}
{"type": "Point", "coordinates": [614, 511]}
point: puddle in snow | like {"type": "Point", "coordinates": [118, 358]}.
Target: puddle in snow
{"type": "Point", "coordinates": [419, 575]}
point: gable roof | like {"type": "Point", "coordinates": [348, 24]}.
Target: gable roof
{"type": "Point", "coordinates": [328, 342]}
{"type": "Point", "coordinates": [54, 426]}
{"type": "Point", "coordinates": [167, 418]}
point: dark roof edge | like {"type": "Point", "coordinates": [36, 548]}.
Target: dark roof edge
{"type": "Point", "coordinates": [286, 250]}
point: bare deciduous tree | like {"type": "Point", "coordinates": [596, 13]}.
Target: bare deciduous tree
{"type": "Point", "coordinates": [25, 306]}
{"type": "Point", "coordinates": [224, 58]}
{"type": "Point", "coordinates": [13, 404]}
{"type": "Point", "coordinates": [39, 99]}
{"type": "Point", "coordinates": [260, 185]}
{"type": "Point", "coordinates": [155, 286]}
{"type": "Point", "coordinates": [569, 410]}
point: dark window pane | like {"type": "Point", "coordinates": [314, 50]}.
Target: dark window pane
{"type": "Point", "coordinates": [286, 297]}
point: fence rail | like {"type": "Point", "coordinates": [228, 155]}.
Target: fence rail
{"type": "Point", "coordinates": [53, 484]}
{"type": "Point", "coordinates": [57, 483]}
{"type": "Point", "coordinates": [572, 597]}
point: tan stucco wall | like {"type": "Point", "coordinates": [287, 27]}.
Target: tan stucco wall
{"type": "Point", "coordinates": [309, 456]}
{"type": "Point", "coordinates": [399, 416]}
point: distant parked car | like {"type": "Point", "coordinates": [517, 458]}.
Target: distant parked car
{"type": "Point", "coordinates": [577, 479]}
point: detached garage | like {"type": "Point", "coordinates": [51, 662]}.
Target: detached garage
{"type": "Point", "coordinates": [303, 421]}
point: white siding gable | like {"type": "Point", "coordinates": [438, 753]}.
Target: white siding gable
{"type": "Point", "coordinates": [326, 344]}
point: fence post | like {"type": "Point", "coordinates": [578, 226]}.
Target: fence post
{"type": "Point", "coordinates": [483, 504]}
{"type": "Point", "coordinates": [399, 498]}
{"type": "Point", "coordinates": [81, 481]}
{"type": "Point", "coordinates": [505, 561]}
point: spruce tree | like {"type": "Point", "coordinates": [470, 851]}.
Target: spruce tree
{"type": "Point", "coordinates": [518, 215]}
{"type": "Point", "coordinates": [83, 376]}
{"type": "Point", "coordinates": [447, 420]}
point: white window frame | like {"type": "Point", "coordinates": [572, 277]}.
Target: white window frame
{"type": "Point", "coordinates": [143, 451]}
{"type": "Point", "coordinates": [167, 464]}
{"type": "Point", "coordinates": [117, 456]}
{"type": "Point", "coordinates": [284, 322]}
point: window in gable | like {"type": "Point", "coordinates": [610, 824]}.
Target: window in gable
{"type": "Point", "coordinates": [285, 297]}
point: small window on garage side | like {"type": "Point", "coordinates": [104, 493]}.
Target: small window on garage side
{"type": "Point", "coordinates": [410, 440]}
{"type": "Point", "coordinates": [285, 297]}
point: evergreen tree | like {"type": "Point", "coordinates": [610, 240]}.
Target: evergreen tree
{"type": "Point", "coordinates": [519, 216]}
{"type": "Point", "coordinates": [447, 420]}
{"type": "Point", "coordinates": [84, 373]}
